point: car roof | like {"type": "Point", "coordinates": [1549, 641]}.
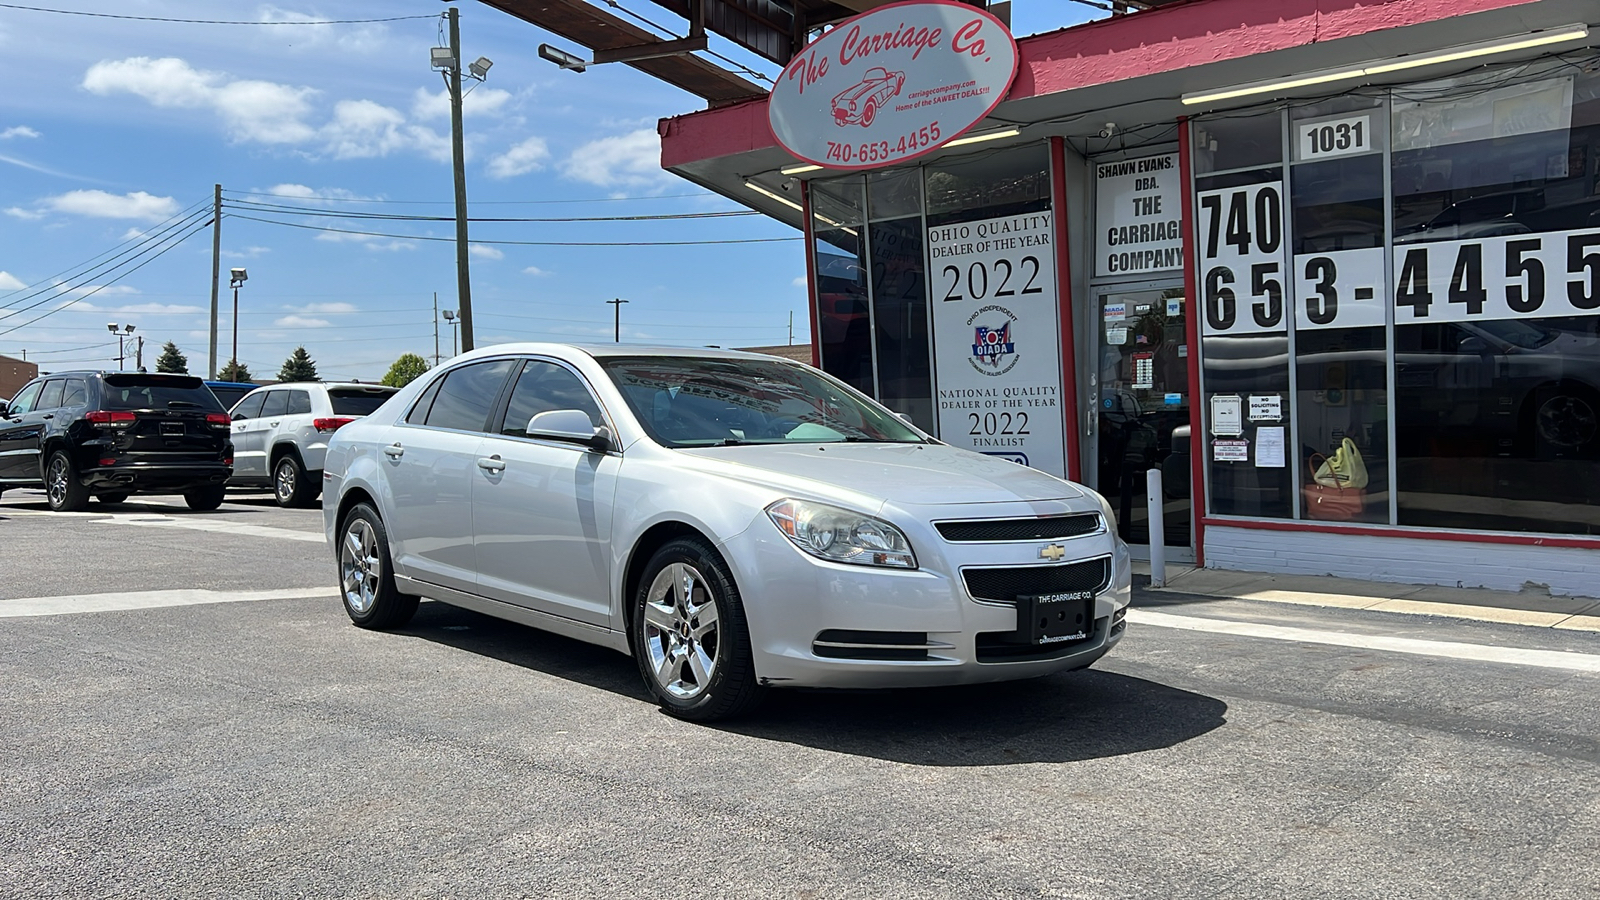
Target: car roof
{"type": "Point", "coordinates": [242, 384]}
{"type": "Point", "coordinates": [602, 351]}
{"type": "Point", "coordinates": [362, 385]}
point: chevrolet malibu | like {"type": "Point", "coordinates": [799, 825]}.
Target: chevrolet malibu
{"type": "Point", "coordinates": [734, 522]}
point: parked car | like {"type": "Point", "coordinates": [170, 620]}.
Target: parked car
{"type": "Point", "coordinates": [733, 521]}
{"type": "Point", "coordinates": [112, 434]}
{"type": "Point", "coordinates": [860, 102]}
{"type": "Point", "coordinates": [230, 392]}
{"type": "Point", "coordinates": [281, 432]}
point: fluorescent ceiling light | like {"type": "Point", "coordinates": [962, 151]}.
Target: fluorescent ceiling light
{"type": "Point", "coordinates": [796, 170]}
{"type": "Point", "coordinates": [986, 136]}
{"type": "Point", "coordinates": [763, 191]}
{"type": "Point", "coordinates": [1466, 51]}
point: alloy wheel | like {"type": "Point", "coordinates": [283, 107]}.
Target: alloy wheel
{"type": "Point", "coordinates": [285, 481]}
{"type": "Point", "coordinates": [56, 483]}
{"type": "Point", "coordinates": [359, 565]}
{"type": "Point", "coordinates": [681, 631]}
{"type": "Point", "coordinates": [1567, 421]}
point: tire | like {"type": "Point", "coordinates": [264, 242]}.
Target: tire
{"type": "Point", "coordinates": [111, 499]}
{"type": "Point", "coordinates": [696, 669]}
{"type": "Point", "coordinates": [290, 486]}
{"type": "Point", "coordinates": [63, 490]}
{"type": "Point", "coordinates": [366, 573]}
{"type": "Point", "coordinates": [1566, 422]}
{"type": "Point", "coordinates": [206, 498]}
{"type": "Point", "coordinates": [869, 114]}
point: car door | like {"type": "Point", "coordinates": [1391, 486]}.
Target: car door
{"type": "Point", "coordinates": [430, 462]}
{"type": "Point", "coordinates": [542, 510]}
{"type": "Point", "coordinates": [249, 453]}
{"type": "Point", "coordinates": [19, 437]}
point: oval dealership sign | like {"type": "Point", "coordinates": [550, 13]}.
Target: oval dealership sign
{"type": "Point", "coordinates": [893, 84]}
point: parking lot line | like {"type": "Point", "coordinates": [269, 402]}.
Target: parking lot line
{"type": "Point", "coordinates": [126, 600]}
{"type": "Point", "coordinates": [195, 523]}
{"type": "Point", "coordinates": [1545, 659]}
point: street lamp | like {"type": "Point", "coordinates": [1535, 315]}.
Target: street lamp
{"type": "Point", "coordinates": [236, 277]}
{"type": "Point", "coordinates": [447, 61]}
{"type": "Point", "coordinates": [451, 317]}
{"type": "Point", "coordinates": [127, 330]}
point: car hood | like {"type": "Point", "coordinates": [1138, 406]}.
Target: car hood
{"type": "Point", "coordinates": [899, 474]}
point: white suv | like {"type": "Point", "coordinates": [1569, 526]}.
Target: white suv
{"type": "Point", "coordinates": [281, 432]}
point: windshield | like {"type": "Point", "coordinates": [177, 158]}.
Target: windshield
{"type": "Point", "coordinates": [685, 402]}
{"type": "Point", "coordinates": [356, 401]}
{"type": "Point", "coordinates": [158, 392]}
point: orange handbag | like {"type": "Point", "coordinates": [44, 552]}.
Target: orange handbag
{"type": "Point", "coordinates": [1328, 502]}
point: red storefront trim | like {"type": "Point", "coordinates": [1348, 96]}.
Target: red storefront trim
{"type": "Point", "coordinates": [1191, 317]}
{"type": "Point", "coordinates": [812, 288]}
{"type": "Point", "coordinates": [1465, 537]}
{"type": "Point", "coordinates": [1069, 335]}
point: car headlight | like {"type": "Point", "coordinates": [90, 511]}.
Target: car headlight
{"type": "Point", "coordinates": [839, 535]}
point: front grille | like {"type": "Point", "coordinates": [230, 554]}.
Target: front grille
{"type": "Point", "coordinates": [1005, 585]}
{"type": "Point", "coordinates": [1038, 529]}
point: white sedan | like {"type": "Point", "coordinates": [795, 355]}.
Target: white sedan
{"type": "Point", "coordinates": [735, 522]}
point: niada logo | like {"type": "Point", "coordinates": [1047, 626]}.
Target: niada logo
{"type": "Point", "coordinates": [993, 350]}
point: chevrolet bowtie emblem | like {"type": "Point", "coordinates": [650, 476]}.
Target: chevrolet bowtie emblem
{"type": "Point", "coordinates": [1054, 552]}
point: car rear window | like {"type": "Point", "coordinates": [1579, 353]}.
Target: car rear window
{"type": "Point", "coordinates": [356, 401]}
{"type": "Point", "coordinates": [158, 392]}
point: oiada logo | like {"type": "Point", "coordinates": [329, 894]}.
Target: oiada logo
{"type": "Point", "coordinates": [892, 84]}
{"type": "Point", "coordinates": [993, 350]}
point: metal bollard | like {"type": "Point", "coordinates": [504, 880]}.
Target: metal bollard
{"type": "Point", "coordinates": [1158, 528]}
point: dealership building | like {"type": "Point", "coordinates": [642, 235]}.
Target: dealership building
{"type": "Point", "coordinates": [1331, 267]}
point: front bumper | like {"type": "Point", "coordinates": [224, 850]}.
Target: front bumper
{"type": "Point", "coordinates": [918, 628]}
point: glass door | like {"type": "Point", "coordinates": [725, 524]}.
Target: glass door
{"type": "Point", "coordinates": [1140, 393]}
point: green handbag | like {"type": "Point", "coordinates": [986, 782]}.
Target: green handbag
{"type": "Point", "coordinates": [1344, 469]}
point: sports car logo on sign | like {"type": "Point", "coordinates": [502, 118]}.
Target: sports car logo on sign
{"type": "Point", "coordinates": [859, 103]}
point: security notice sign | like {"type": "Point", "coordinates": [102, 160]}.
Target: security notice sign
{"type": "Point", "coordinates": [1137, 216]}
{"type": "Point", "coordinates": [996, 338]}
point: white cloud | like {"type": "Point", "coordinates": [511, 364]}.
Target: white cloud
{"type": "Point", "coordinates": [535, 271]}
{"type": "Point", "coordinates": [366, 240]}
{"type": "Point", "coordinates": [246, 253]}
{"type": "Point", "coordinates": [133, 234]}
{"type": "Point", "coordinates": [364, 38]}
{"type": "Point", "coordinates": [300, 322]}
{"type": "Point", "coordinates": [95, 289]}
{"type": "Point", "coordinates": [261, 111]}
{"type": "Point", "coordinates": [325, 308]}
{"type": "Point", "coordinates": [362, 129]}
{"type": "Point", "coordinates": [632, 160]}
{"type": "Point", "coordinates": [485, 251]}
{"type": "Point", "coordinates": [9, 282]}
{"type": "Point", "coordinates": [18, 131]}
{"type": "Point", "coordinates": [482, 101]}
{"type": "Point", "coordinates": [521, 159]}
{"type": "Point", "coordinates": [135, 308]}
{"type": "Point", "coordinates": [21, 213]}
{"type": "Point", "coordinates": [799, 282]}
{"type": "Point", "coordinates": [137, 205]}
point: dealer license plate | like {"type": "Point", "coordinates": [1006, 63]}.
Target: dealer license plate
{"type": "Point", "coordinates": [1056, 618]}
{"type": "Point", "coordinates": [172, 429]}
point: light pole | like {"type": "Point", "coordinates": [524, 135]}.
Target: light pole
{"type": "Point", "coordinates": [121, 352]}
{"type": "Point", "coordinates": [236, 277]}
{"type": "Point", "coordinates": [451, 317]}
{"type": "Point", "coordinates": [617, 305]}
{"type": "Point", "coordinates": [447, 60]}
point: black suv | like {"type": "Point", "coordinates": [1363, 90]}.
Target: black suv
{"type": "Point", "coordinates": [110, 434]}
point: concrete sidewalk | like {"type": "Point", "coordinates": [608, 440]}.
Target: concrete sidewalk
{"type": "Point", "coordinates": [1522, 608]}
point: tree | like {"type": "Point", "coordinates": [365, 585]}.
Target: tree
{"type": "Point", "coordinates": [172, 360]}
{"type": "Point", "coordinates": [235, 371]}
{"type": "Point", "coordinates": [405, 370]}
{"type": "Point", "coordinates": [298, 367]}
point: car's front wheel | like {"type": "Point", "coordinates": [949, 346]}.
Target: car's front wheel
{"type": "Point", "coordinates": [690, 637]}
{"type": "Point", "coordinates": [366, 574]}
{"type": "Point", "coordinates": [63, 490]}
{"type": "Point", "coordinates": [204, 499]}
{"type": "Point", "coordinates": [111, 499]}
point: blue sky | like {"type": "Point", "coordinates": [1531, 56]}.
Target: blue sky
{"type": "Point", "coordinates": [111, 130]}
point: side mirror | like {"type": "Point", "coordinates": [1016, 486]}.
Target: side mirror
{"type": "Point", "coordinates": [5, 408]}
{"type": "Point", "coordinates": [905, 418]}
{"type": "Point", "coordinates": [569, 425]}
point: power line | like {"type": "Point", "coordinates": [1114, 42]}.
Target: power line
{"type": "Point", "coordinates": [412, 237]}
{"type": "Point", "coordinates": [312, 211]}
{"type": "Point", "coordinates": [133, 240]}
{"type": "Point", "coordinates": [475, 202]}
{"type": "Point", "coordinates": [94, 15]}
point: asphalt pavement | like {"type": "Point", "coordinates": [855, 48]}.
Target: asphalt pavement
{"type": "Point", "coordinates": [188, 713]}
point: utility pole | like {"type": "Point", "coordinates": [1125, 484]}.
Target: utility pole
{"type": "Point", "coordinates": [463, 281]}
{"type": "Point", "coordinates": [216, 273]}
{"type": "Point", "coordinates": [617, 305]}
{"type": "Point", "coordinates": [138, 355]}
{"type": "Point", "coordinates": [436, 328]}
{"type": "Point", "coordinates": [791, 328]}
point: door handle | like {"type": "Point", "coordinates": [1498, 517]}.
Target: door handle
{"type": "Point", "coordinates": [273, 424]}
{"type": "Point", "coordinates": [394, 451]}
{"type": "Point", "coordinates": [48, 416]}
{"type": "Point", "coordinates": [492, 464]}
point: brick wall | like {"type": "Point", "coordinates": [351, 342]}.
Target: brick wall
{"type": "Point", "coordinates": [1403, 560]}
{"type": "Point", "coordinates": [14, 373]}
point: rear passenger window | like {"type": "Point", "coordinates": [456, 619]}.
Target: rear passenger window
{"type": "Point", "coordinates": [249, 407]}
{"type": "Point", "coordinates": [467, 394]}
{"type": "Point", "coordinates": [77, 393]}
{"type": "Point", "coordinates": [542, 387]}
{"type": "Point", "coordinates": [299, 402]}
{"type": "Point", "coordinates": [419, 413]}
{"type": "Point", "coordinates": [277, 404]}
{"type": "Point", "coordinates": [50, 397]}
